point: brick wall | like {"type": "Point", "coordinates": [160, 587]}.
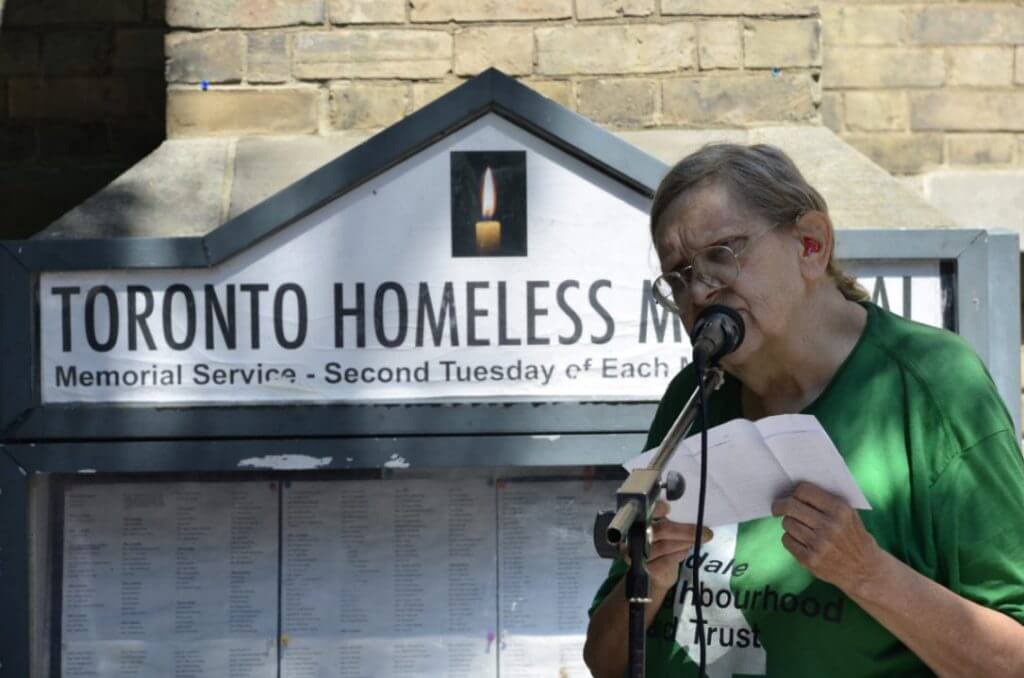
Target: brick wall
{"type": "Point", "coordinates": [918, 86]}
{"type": "Point", "coordinates": [922, 86]}
{"type": "Point", "coordinates": [915, 85]}
{"type": "Point", "coordinates": [82, 98]}
{"type": "Point", "coordinates": [332, 65]}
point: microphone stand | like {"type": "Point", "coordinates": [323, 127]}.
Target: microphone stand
{"type": "Point", "coordinates": [635, 500]}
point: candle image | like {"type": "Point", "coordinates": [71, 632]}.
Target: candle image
{"type": "Point", "coordinates": [488, 231]}
{"type": "Point", "coordinates": [481, 227]}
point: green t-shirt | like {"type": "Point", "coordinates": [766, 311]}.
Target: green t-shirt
{"type": "Point", "coordinates": [919, 422]}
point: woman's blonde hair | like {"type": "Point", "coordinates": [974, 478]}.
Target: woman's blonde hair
{"type": "Point", "coordinates": [764, 180]}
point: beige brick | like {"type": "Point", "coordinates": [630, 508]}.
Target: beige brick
{"type": "Point", "coordinates": [192, 112]}
{"type": "Point", "coordinates": [980, 66]}
{"type": "Point", "coordinates": [843, 24]}
{"type": "Point", "coordinates": [968, 24]}
{"type": "Point", "coordinates": [267, 57]}
{"type": "Point", "coordinates": [507, 48]}
{"type": "Point", "coordinates": [19, 53]}
{"type": "Point", "coordinates": [139, 49]}
{"type": "Point", "coordinates": [980, 149]}
{"type": "Point", "coordinates": [360, 105]}
{"type": "Point", "coordinates": [741, 7]}
{"type": "Point", "coordinates": [1018, 76]}
{"type": "Point", "coordinates": [738, 100]}
{"type": "Point", "coordinates": [243, 13]}
{"type": "Point", "coordinates": [489, 10]}
{"type": "Point", "coordinates": [425, 92]}
{"type": "Point", "coordinates": [720, 44]}
{"type": "Point", "coordinates": [876, 110]}
{"type": "Point", "coordinates": [782, 44]}
{"type": "Point", "coordinates": [618, 101]}
{"type": "Point", "coordinates": [882, 67]}
{"type": "Point", "coordinates": [598, 50]}
{"type": "Point", "coordinates": [966, 110]}
{"type": "Point", "coordinates": [559, 91]}
{"type": "Point", "coordinates": [365, 53]}
{"type": "Point", "coordinates": [609, 9]}
{"type": "Point", "coordinates": [366, 11]}
{"type": "Point", "coordinates": [77, 52]}
{"type": "Point", "coordinates": [900, 153]}
{"type": "Point", "coordinates": [832, 111]}
{"type": "Point", "coordinates": [213, 56]}
{"type": "Point", "coordinates": [78, 98]}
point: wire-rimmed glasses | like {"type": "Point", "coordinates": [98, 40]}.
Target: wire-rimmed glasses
{"type": "Point", "coordinates": [714, 267]}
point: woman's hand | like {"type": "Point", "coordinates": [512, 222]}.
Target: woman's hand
{"type": "Point", "coordinates": [670, 542]}
{"type": "Point", "coordinates": [827, 537]}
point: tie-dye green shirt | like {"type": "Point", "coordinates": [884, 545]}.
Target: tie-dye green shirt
{"type": "Point", "coordinates": [918, 420]}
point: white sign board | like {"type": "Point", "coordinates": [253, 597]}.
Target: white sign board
{"type": "Point", "coordinates": [489, 265]}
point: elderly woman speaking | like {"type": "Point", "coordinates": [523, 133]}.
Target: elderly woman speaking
{"type": "Point", "coordinates": [932, 579]}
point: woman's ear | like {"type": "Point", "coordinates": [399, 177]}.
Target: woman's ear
{"type": "Point", "coordinates": [814, 234]}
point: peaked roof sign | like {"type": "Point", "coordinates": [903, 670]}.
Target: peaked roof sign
{"type": "Point", "coordinates": [492, 245]}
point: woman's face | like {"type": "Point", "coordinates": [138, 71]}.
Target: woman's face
{"type": "Point", "coordinates": [769, 285]}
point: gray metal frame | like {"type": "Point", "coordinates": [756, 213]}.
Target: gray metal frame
{"type": "Point", "coordinates": [987, 315]}
{"type": "Point", "coordinates": [40, 439]}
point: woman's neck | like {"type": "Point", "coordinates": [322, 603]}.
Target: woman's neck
{"type": "Point", "coordinates": [792, 371]}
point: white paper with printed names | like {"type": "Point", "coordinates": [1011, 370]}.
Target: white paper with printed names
{"type": "Point", "coordinates": [457, 576]}
{"type": "Point", "coordinates": [548, 573]}
{"type": "Point", "coordinates": [750, 464]}
{"type": "Point", "coordinates": [170, 579]}
{"type": "Point", "coordinates": [389, 579]}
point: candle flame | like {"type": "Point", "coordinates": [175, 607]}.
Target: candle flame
{"type": "Point", "coordinates": [488, 194]}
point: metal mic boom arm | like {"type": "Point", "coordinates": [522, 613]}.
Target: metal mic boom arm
{"type": "Point", "coordinates": [635, 500]}
{"type": "Point", "coordinates": [636, 496]}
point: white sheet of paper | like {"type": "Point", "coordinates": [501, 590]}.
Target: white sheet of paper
{"type": "Point", "coordinates": [750, 464]}
{"type": "Point", "coordinates": [170, 579]}
{"type": "Point", "coordinates": [389, 578]}
{"type": "Point", "coordinates": [549, 572]}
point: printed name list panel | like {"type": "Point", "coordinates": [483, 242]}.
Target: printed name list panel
{"type": "Point", "coordinates": [170, 579]}
{"type": "Point", "coordinates": [549, 572]}
{"type": "Point", "coordinates": [389, 578]}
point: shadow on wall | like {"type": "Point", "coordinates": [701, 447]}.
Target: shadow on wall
{"type": "Point", "coordinates": [82, 99]}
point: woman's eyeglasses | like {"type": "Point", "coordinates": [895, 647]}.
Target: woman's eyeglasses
{"type": "Point", "coordinates": [714, 267]}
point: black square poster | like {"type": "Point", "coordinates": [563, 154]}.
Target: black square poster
{"type": "Point", "coordinates": [488, 203]}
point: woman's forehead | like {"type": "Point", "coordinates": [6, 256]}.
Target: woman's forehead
{"type": "Point", "coordinates": [696, 220]}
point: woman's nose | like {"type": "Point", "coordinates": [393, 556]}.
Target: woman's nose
{"type": "Point", "coordinates": [702, 294]}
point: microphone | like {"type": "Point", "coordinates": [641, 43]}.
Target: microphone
{"type": "Point", "coordinates": [717, 332]}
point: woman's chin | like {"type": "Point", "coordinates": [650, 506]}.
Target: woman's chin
{"type": "Point", "coordinates": [737, 359]}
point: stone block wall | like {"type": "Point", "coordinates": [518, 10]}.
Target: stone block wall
{"type": "Point", "coordinates": [921, 86]}
{"type": "Point", "coordinates": [916, 85]}
{"type": "Point", "coordinates": [323, 66]}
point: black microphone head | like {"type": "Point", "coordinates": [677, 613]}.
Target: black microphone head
{"type": "Point", "coordinates": [729, 322]}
